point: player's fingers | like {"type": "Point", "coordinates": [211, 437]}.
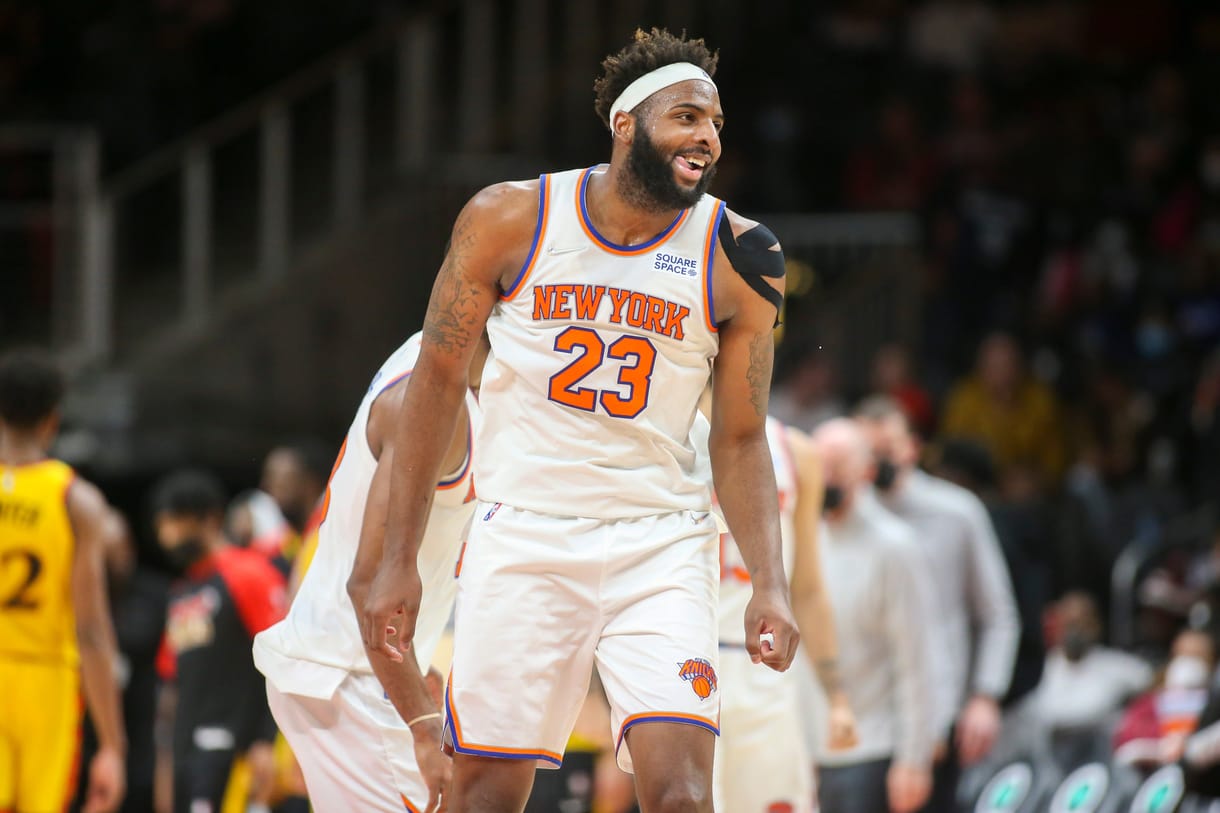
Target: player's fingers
{"type": "Point", "coordinates": [790, 638]}
{"type": "Point", "coordinates": [390, 649]}
{"type": "Point", "coordinates": [374, 633]}
{"type": "Point", "coordinates": [753, 643]}
{"type": "Point", "coordinates": [780, 658]}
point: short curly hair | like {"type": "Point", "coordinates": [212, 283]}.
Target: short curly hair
{"type": "Point", "coordinates": [31, 387]}
{"type": "Point", "coordinates": [647, 51]}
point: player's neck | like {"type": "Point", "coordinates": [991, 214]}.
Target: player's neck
{"type": "Point", "coordinates": [20, 449]}
{"type": "Point", "coordinates": [615, 216]}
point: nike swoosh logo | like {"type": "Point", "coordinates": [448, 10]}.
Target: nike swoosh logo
{"type": "Point", "coordinates": [553, 251]}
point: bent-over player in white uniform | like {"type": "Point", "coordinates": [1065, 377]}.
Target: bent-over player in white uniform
{"type": "Point", "coordinates": [366, 731]}
{"type": "Point", "coordinates": [606, 293]}
{"type": "Point", "coordinates": [762, 762]}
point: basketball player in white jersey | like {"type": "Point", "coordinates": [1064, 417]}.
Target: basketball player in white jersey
{"type": "Point", "coordinates": [366, 732]}
{"type": "Point", "coordinates": [607, 293]}
{"type": "Point", "coordinates": [762, 763]}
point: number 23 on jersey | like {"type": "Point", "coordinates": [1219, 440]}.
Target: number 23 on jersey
{"type": "Point", "coordinates": [635, 375]}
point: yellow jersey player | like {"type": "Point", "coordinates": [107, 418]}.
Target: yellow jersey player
{"type": "Point", "coordinates": [56, 635]}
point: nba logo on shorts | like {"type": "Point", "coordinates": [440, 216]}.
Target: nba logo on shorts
{"type": "Point", "coordinates": [701, 675]}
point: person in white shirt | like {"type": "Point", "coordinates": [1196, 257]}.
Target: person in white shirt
{"type": "Point", "coordinates": [878, 594]}
{"type": "Point", "coordinates": [1084, 684]}
{"type": "Point", "coordinates": [978, 624]}
{"type": "Point", "coordinates": [366, 731]}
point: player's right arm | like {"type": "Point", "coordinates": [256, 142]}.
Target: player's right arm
{"type": "Point", "coordinates": [400, 677]}
{"type": "Point", "coordinates": [489, 244]}
{"type": "Point", "coordinates": [810, 600]}
{"type": "Point", "coordinates": [92, 524]}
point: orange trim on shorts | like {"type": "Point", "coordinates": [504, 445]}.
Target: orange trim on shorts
{"type": "Point", "coordinates": [407, 803]}
{"type": "Point", "coordinates": [665, 717]}
{"type": "Point", "coordinates": [604, 244]}
{"type": "Point", "coordinates": [472, 749]}
{"type": "Point", "coordinates": [531, 259]}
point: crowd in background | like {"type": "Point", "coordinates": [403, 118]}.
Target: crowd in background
{"type": "Point", "coordinates": [1064, 162]}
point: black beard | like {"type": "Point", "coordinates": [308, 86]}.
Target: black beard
{"type": "Point", "coordinates": [647, 182]}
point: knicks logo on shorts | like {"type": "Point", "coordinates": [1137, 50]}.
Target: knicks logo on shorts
{"type": "Point", "coordinates": [701, 675]}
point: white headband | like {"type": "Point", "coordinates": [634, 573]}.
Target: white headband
{"type": "Point", "coordinates": [650, 83]}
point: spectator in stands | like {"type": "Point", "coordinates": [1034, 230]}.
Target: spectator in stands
{"type": "Point", "coordinates": [1203, 437]}
{"type": "Point", "coordinates": [897, 170]}
{"type": "Point", "coordinates": [809, 394]}
{"type": "Point", "coordinates": [254, 519]}
{"type": "Point", "coordinates": [295, 477]}
{"type": "Point", "coordinates": [973, 598]}
{"type": "Point", "coordinates": [213, 694]}
{"type": "Point", "coordinates": [1084, 684]}
{"type": "Point", "coordinates": [1015, 416]}
{"type": "Point", "coordinates": [1155, 726]}
{"type": "Point", "coordinates": [892, 376]}
{"type": "Point", "coordinates": [879, 593]}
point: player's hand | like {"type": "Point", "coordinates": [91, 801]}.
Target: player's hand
{"type": "Point", "coordinates": [434, 764]}
{"type": "Point", "coordinates": [260, 756]}
{"type": "Point", "coordinates": [978, 727]}
{"type": "Point", "coordinates": [107, 782]}
{"type": "Point", "coordinates": [769, 614]}
{"type": "Point", "coordinates": [907, 787]}
{"type": "Point", "coordinates": [390, 610]}
{"type": "Point", "coordinates": [842, 725]}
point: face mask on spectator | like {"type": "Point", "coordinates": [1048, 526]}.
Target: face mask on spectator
{"type": "Point", "coordinates": [187, 552]}
{"type": "Point", "coordinates": [1076, 643]}
{"type": "Point", "coordinates": [1186, 672]}
{"type": "Point", "coordinates": [832, 499]}
{"type": "Point", "coordinates": [887, 474]}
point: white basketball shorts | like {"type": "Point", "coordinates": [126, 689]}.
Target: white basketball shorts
{"type": "Point", "coordinates": [542, 599]}
{"type": "Point", "coordinates": [762, 764]}
{"type": "Point", "coordinates": [354, 750]}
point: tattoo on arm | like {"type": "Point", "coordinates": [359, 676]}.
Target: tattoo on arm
{"type": "Point", "coordinates": [828, 675]}
{"type": "Point", "coordinates": [758, 376]}
{"type": "Point", "coordinates": [451, 311]}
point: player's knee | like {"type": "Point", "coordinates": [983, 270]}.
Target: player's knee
{"type": "Point", "coordinates": [680, 794]}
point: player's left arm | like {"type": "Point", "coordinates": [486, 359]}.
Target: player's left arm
{"type": "Point", "coordinates": [92, 524]}
{"type": "Point", "coordinates": [741, 459]}
{"type": "Point", "coordinates": [810, 599]}
{"type": "Point", "coordinates": [404, 683]}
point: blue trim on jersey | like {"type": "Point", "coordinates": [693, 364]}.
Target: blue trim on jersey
{"type": "Point", "coordinates": [584, 215]}
{"type": "Point", "coordinates": [711, 261]}
{"type": "Point", "coordinates": [544, 183]}
{"type": "Point", "coordinates": [395, 381]}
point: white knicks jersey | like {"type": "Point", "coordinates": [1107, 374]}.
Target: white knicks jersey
{"type": "Point", "coordinates": [313, 649]}
{"type": "Point", "coordinates": [735, 587]}
{"type": "Point", "coordinates": [600, 353]}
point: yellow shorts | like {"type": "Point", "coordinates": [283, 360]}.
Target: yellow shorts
{"type": "Point", "coordinates": [40, 716]}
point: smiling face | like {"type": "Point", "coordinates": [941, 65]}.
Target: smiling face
{"type": "Point", "coordinates": [674, 144]}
